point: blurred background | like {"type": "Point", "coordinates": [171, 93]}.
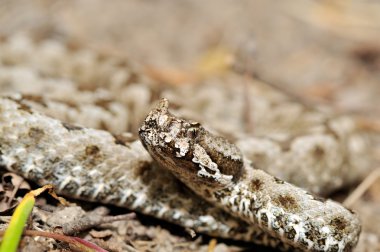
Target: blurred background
{"type": "Point", "coordinates": [326, 50]}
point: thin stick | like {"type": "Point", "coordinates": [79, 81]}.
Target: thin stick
{"type": "Point", "coordinates": [362, 188]}
{"type": "Point", "coordinates": [90, 221]}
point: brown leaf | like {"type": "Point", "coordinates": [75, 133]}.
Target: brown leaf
{"type": "Point", "coordinates": [101, 234]}
{"type": "Point", "coordinates": [10, 184]}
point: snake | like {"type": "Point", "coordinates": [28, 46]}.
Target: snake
{"type": "Point", "coordinates": [178, 170]}
{"type": "Point", "coordinates": [214, 169]}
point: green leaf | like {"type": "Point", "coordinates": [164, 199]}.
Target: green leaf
{"type": "Point", "coordinates": [16, 226]}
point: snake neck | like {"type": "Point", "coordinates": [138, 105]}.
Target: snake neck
{"type": "Point", "coordinates": [288, 213]}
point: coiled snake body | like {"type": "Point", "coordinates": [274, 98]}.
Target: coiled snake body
{"type": "Point", "coordinates": [98, 166]}
{"type": "Point", "coordinates": [40, 140]}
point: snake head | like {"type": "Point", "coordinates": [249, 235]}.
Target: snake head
{"type": "Point", "coordinates": [188, 150]}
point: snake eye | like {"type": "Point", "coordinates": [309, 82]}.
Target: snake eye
{"type": "Point", "coordinates": [192, 132]}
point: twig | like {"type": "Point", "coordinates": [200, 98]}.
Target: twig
{"type": "Point", "coordinates": [362, 188]}
{"type": "Point", "coordinates": [90, 221]}
{"type": "Point", "coordinates": [247, 114]}
{"type": "Point", "coordinates": [77, 243]}
{"type": "Point", "coordinates": [369, 124]}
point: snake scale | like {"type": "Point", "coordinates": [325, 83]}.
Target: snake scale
{"type": "Point", "coordinates": [77, 144]}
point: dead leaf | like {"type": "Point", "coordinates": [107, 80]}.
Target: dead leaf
{"type": "Point", "coordinates": [170, 76]}
{"type": "Point", "coordinates": [101, 234]}
{"type": "Point", "coordinates": [215, 61]}
{"type": "Point", "coordinates": [10, 184]}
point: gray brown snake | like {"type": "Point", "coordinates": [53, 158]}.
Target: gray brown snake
{"type": "Point", "coordinates": [82, 163]}
{"type": "Point", "coordinates": [99, 166]}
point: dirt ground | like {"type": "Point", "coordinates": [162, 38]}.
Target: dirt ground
{"type": "Point", "coordinates": [317, 51]}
